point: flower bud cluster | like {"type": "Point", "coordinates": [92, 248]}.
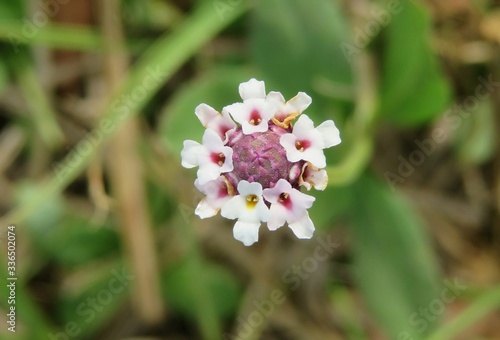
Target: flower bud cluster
{"type": "Point", "coordinates": [252, 162]}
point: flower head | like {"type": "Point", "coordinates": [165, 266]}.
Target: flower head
{"type": "Point", "coordinates": [253, 161]}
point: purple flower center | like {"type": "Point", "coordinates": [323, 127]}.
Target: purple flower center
{"type": "Point", "coordinates": [259, 157]}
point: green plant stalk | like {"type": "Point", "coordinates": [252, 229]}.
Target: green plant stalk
{"type": "Point", "coordinates": [482, 306]}
{"type": "Point", "coordinates": [361, 126]}
{"type": "Point", "coordinates": [44, 117]}
{"type": "Point", "coordinates": [352, 165]}
{"type": "Point", "coordinates": [54, 35]}
{"type": "Point", "coordinates": [165, 56]}
{"type": "Point", "coordinates": [63, 36]}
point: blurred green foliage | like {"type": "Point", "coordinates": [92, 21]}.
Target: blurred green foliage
{"type": "Point", "coordinates": [293, 45]}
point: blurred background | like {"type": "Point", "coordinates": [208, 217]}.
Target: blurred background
{"type": "Point", "coordinates": [97, 96]}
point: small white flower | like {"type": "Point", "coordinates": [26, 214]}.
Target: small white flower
{"type": "Point", "coordinates": [211, 119]}
{"type": "Point", "coordinates": [313, 177]}
{"type": "Point", "coordinates": [212, 157]}
{"type": "Point", "coordinates": [289, 205]}
{"type": "Point", "coordinates": [307, 142]}
{"type": "Point", "coordinates": [218, 192]}
{"type": "Point", "coordinates": [287, 112]}
{"type": "Point", "coordinates": [250, 210]}
{"type": "Point", "coordinates": [255, 112]}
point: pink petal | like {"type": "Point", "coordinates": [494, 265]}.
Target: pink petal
{"type": "Point", "coordinates": [222, 124]}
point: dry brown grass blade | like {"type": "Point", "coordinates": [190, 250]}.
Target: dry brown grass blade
{"type": "Point", "coordinates": [126, 177]}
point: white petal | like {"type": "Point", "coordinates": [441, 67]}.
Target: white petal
{"type": "Point", "coordinates": [313, 177]}
{"type": "Point", "coordinates": [213, 144]}
{"type": "Point", "coordinates": [205, 210]}
{"type": "Point", "coordinates": [212, 141]}
{"type": "Point", "coordinates": [248, 128]}
{"type": "Point", "coordinates": [300, 200]}
{"type": "Point", "coordinates": [278, 216]}
{"type": "Point", "coordinates": [290, 209]}
{"type": "Point", "coordinates": [228, 161]}
{"type": "Point", "coordinates": [315, 156]}
{"type": "Point", "coordinates": [262, 211]}
{"type": "Point", "coordinates": [303, 227]}
{"type": "Point", "coordinates": [303, 127]}
{"type": "Point", "coordinates": [239, 207]}
{"type": "Point", "coordinates": [287, 141]}
{"type": "Point", "coordinates": [252, 89]}
{"type": "Point", "coordinates": [234, 207]}
{"type": "Point", "coordinates": [226, 126]}
{"type": "Point", "coordinates": [206, 114]}
{"type": "Point", "coordinates": [298, 103]}
{"type": "Point", "coordinates": [216, 188]}
{"type": "Point", "coordinates": [246, 188]}
{"type": "Point", "coordinates": [329, 133]}
{"type": "Point", "coordinates": [190, 154]}
{"type": "Point", "coordinates": [252, 109]}
{"type": "Point", "coordinates": [217, 196]}
{"type": "Point", "coordinates": [276, 99]}
{"type": "Point", "coordinates": [248, 233]}
{"type": "Point", "coordinates": [272, 195]}
{"type": "Point", "coordinates": [222, 124]}
{"type": "Point", "coordinates": [208, 172]}
{"type": "Point", "coordinates": [246, 212]}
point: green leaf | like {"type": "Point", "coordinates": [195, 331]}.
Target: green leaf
{"type": "Point", "coordinates": [4, 77]}
{"type": "Point", "coordinates": [11, 10]}
{"type": "Point", "coordinates": [413, 88]}
{"type": "Point", "coordinates": [217, 89]}
{"type": "Point", "coordinates": [87, 308]}
{"type": "Point", "coordinates": [296, 44]}
{"type": "Point", "coordinates": [46, 215]}
{"type": "Point", "coordinates": [83, 242]}
{"type": "Point", "coordinates": [53, 225]}
{"type": "Point", "coordinates": [475, 140]}
{"type": "Point", "coordinates": [394, 264]}
{"type": "Point", "coordinates": [180, 288]}
{"type": "Point", "coordinates": [330, 204]}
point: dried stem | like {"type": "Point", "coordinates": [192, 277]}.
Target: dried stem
{"type": "Point", "coordinates": [127, 180]}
